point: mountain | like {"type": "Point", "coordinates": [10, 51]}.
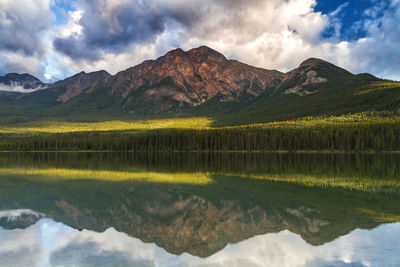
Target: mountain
{"type": "Point", "coordinates": [181, 80]}
{"type": "Point", "coordinates": [313, 71]}
{"type": "Point", "coordinates": [200, 82]}
{"type": "Point", "coordinates": [20, 83]}
{"type": "Point", "coordinates": [81, 83]}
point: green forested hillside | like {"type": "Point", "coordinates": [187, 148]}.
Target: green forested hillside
{"type": "Point", "coordinates": [338, 98]}
{"type": "Point", "coordinates": [358, 132]}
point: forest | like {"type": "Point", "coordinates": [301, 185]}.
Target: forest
{"type": "Point", "coordinates": [357, 132]}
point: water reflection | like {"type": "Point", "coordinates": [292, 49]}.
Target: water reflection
{"type": "Point", "coordinates": [48, 243]}
{"type": "Point", "coordinates": [208, 208]}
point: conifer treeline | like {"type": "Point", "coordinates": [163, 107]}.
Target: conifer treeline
{"type": "Point", "coordinates": [375, 135]}
{"type": "Point", "coordinates": [367, 165]}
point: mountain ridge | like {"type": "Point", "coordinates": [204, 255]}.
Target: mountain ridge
{"type": "Point", "coordinates": [203, 82]}
{"type": "Point", "coordinates": [22, 83]}
{"type": "Point", "coordinates": [202, 50]}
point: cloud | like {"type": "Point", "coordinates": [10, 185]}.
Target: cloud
{"type": "Point", "coordinates": [110, 26]}
{"type": "Point", "coordinates": [48, 243]}
{"type": "Point", "coordinates": [23, 257]}
{"type": "Point", "coordinates": [273, 34]}
{"type": "Point", "coordinates": [379, 52]}
{"type": "Point", "coordinates": [71, 255]}
{"type": "Point", "coordinates": [18, 88]}
{"type": "Point", "coordinates": [245, 30]}
{"type": "Point", "coordinates": [20, 63]}
{"type": "Point", "coordinates": [22, 27]}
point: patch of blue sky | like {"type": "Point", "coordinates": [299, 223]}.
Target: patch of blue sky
{"type": "Point", "coordinates": [53, 71]}
{"type": "Point", "coordinates": [60, 8]}
{"type": "Point", "coordinates": [347, 17]}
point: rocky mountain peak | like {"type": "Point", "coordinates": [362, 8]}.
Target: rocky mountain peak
{"type": "Point", "coordinates": [24, 80]}
{"type": "Point", "coordinates": [82, 82]}
{"type": "Point", "coordinates": [184, 79]}
{"type": "Point", "coordinates": [312, 62]}
{"type": "Point", "coordinates": [175, 52]}
{"type": "Point", "coordinates": [205, 51]}
{"type": "Point", "coordinates": [20, 83]}
{"type": "Point", "coordinates": [18, 76]}
{"type": "Point", "coordinates": [322, 67]}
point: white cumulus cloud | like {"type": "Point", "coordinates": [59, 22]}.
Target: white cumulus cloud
{"type": "Point", "coordinates": [18, 88]}
{"type": "Point", "coordinates": [273, 34]}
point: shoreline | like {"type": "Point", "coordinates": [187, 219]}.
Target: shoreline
{"type": "Point", "coordinates": [205, 151]}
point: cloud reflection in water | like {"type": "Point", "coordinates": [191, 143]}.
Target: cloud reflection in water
{"type": "Point", "coordinates": [49, 243]}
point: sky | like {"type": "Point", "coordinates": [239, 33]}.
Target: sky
{"type": "Point", "coordinates": [54, 39]}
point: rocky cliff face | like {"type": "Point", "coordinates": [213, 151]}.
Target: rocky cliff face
{"type": "Point", "coordinates": [81, 83]}
{"type": "Point", "coordinates": [182, 80]}
{"type": "Point", "coordinates": [312, 71]}
{"type": "Point", "coordinates": [186, 79]}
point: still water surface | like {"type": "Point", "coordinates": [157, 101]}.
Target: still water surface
{"type": "Point", "coordinates": [111, 209]}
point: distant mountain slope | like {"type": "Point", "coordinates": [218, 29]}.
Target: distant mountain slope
{"type": "Point", "coordinates": [20, 83]}
{"type": "Point", "coordinates": [81, 83]}
{"type": "Point", "coordinates": [200, 82]}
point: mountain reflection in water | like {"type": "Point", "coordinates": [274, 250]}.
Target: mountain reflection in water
{"type": "Point", "coordinates": [210, 209]}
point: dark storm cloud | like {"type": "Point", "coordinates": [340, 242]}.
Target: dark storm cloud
{"type": "Point", "coordinates": [112, 29]}
{"type": "Point", "coordinates": [10, 66]}
{"type": "Point", "coordinates": [76, 49]}
{"type": "Point", "coordinates": [21, 32]}
{"type": "Point", "coordinates": [12, 38]}
{"type": "Point", "coordinates": [23, 26]}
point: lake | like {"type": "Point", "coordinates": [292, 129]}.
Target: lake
{"type": "Point", "coordinates": [199, 209]}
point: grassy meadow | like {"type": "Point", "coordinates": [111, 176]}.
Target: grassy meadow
{"type": "Point", "coordinates": [46, 127]}
{"type": "Point", "coordinates": [376, 87]}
